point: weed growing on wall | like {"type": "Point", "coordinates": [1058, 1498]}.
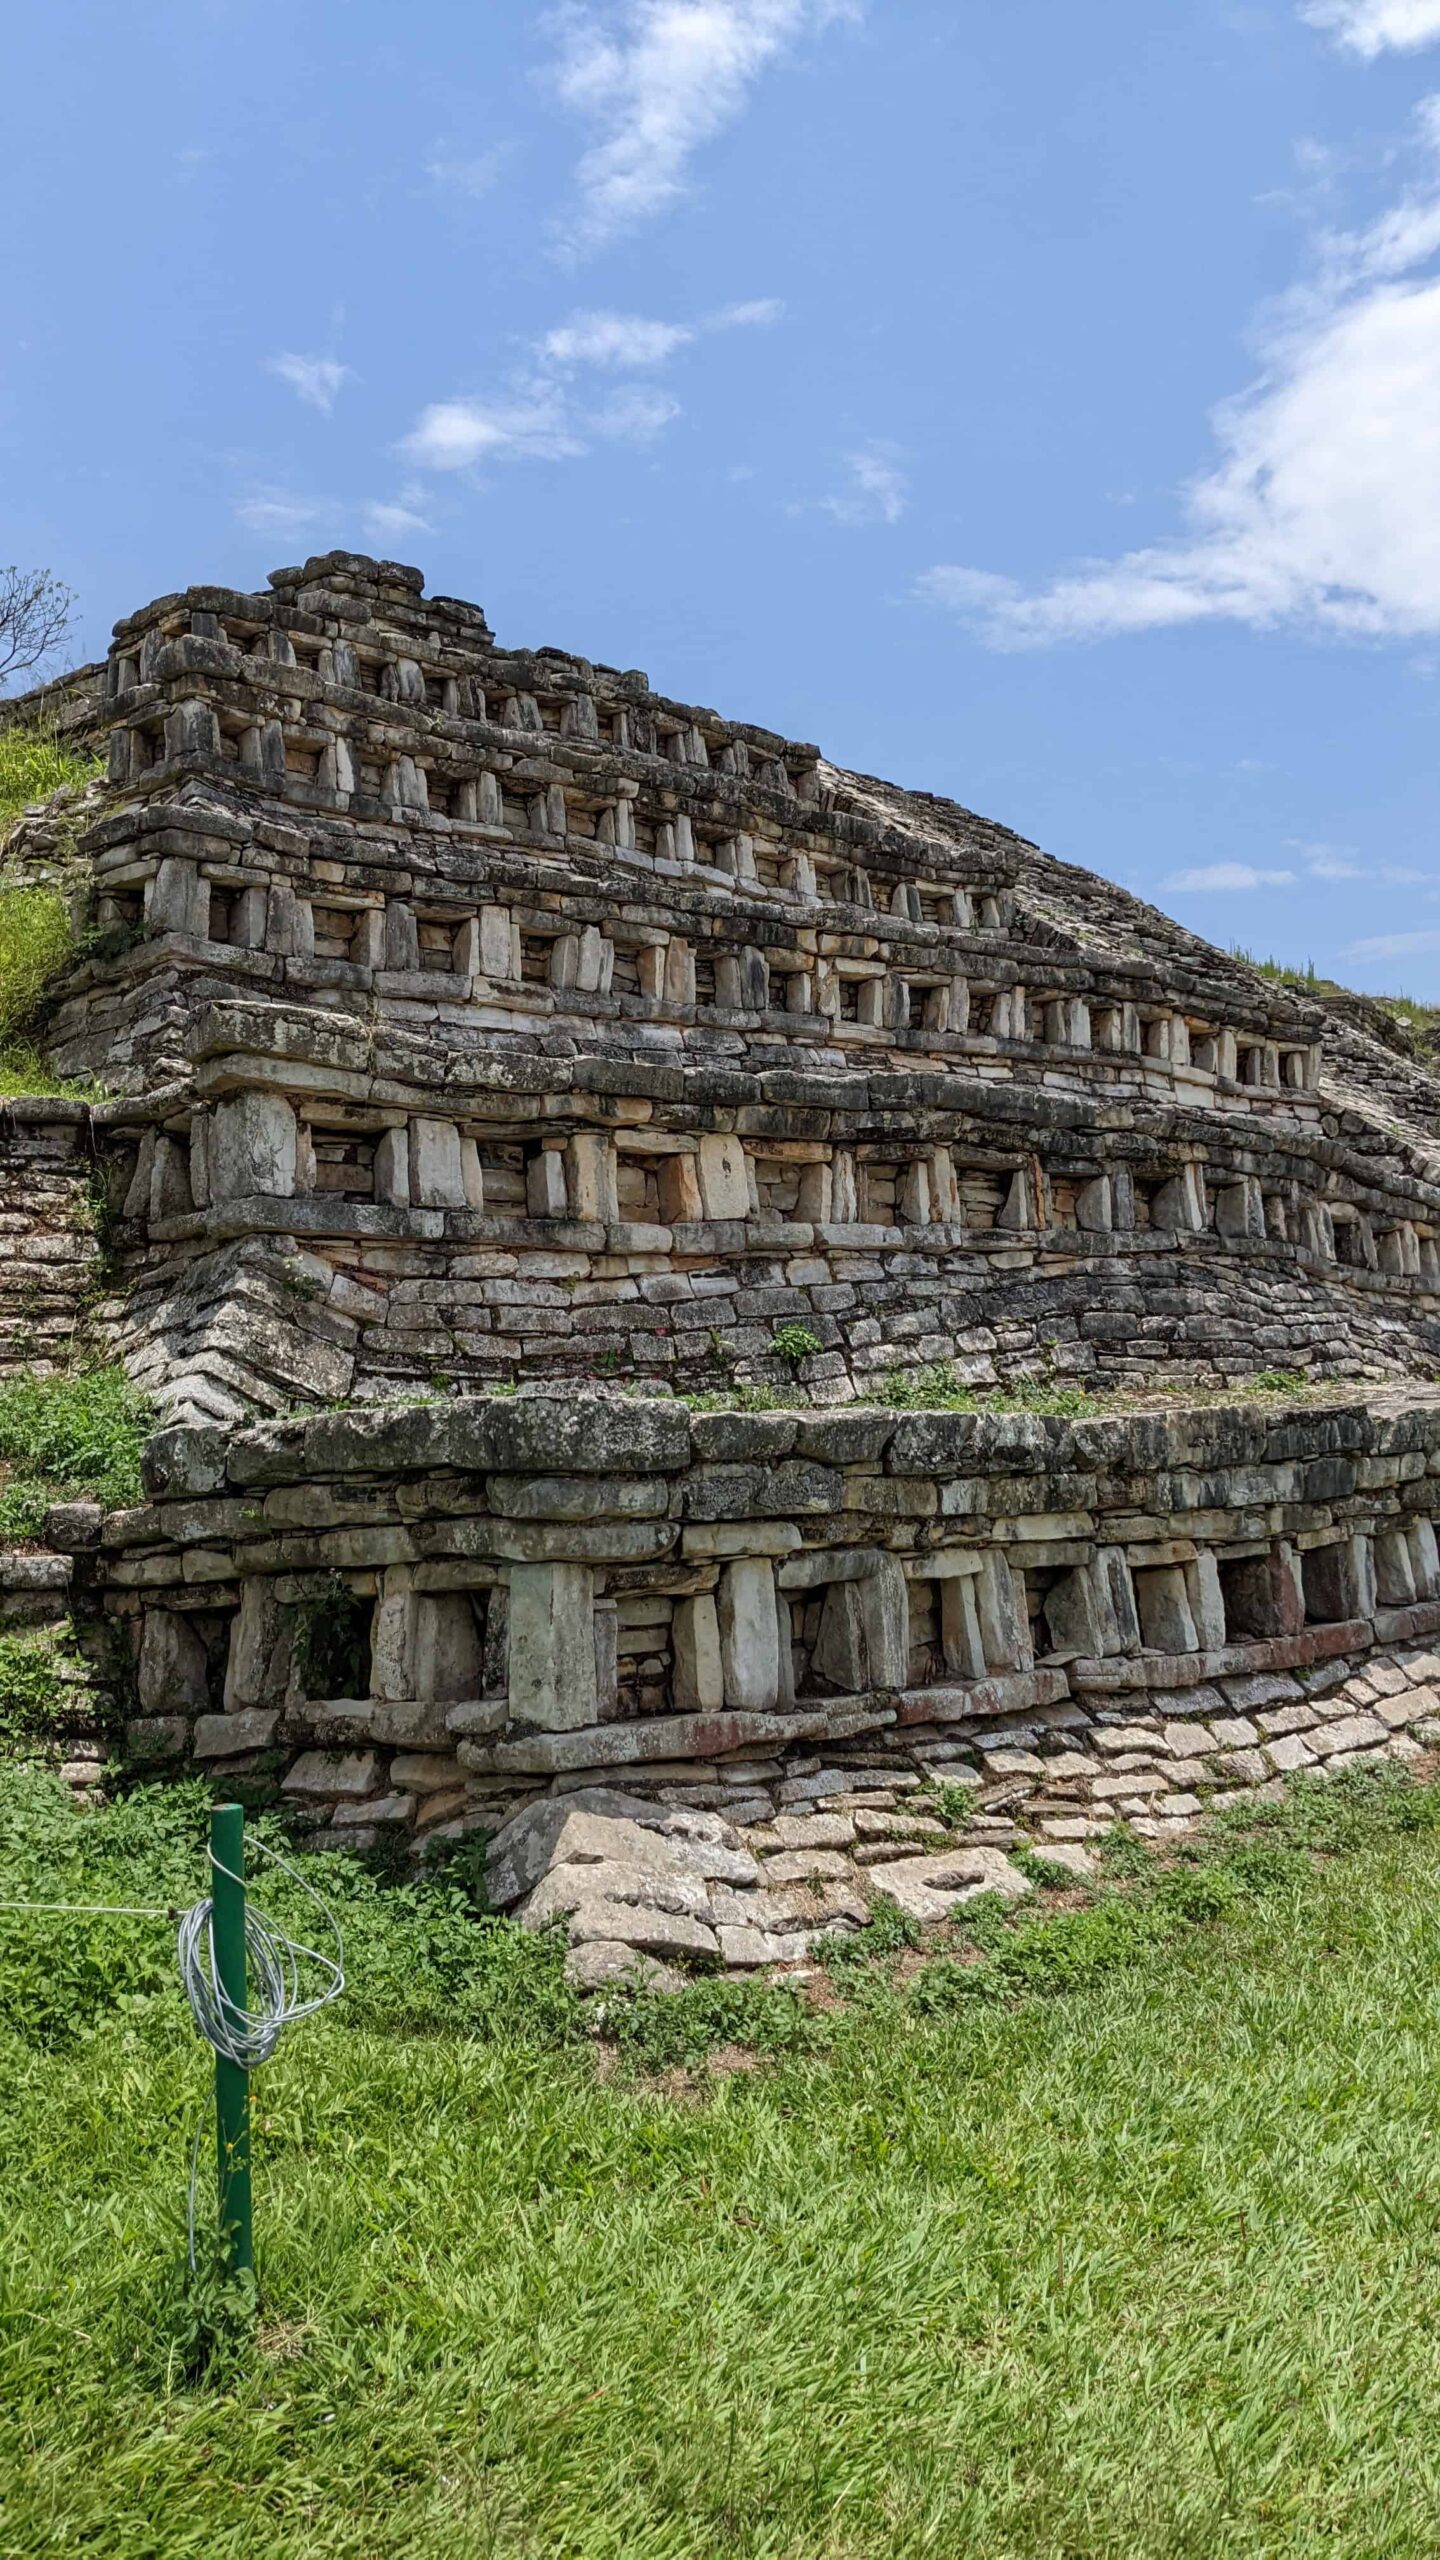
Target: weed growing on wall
{"type": "Point", "coordinates": [76, 1435]}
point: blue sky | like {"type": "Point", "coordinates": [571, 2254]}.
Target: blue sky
{"type": "Point", "coordinates": [1035, 403]}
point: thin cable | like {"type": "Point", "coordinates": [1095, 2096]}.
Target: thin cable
{"type": "Point", "coordinates": [102, 1910]}
{"type": "Point", "coordinates": [242, 2032]}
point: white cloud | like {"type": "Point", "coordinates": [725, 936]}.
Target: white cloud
{"type": "Point", "coordinates": [385, 518]}
{"type": "Point", "coordinates": [472, 174]}
{"type": "Point", "coordinates": [746, 315]}
{"type": "Point", "coordinates": [875, 489]}
{"type": "Point", "coordinates": [614, 338]}
{"type": "Point", "coordinates": [1394, 946]}
{"type": "Point", "coordinates": [316, 379]}
{"type": "Point", "coordinates": [1324, 508]}
{"type": "Point", "coordinates": [635, 416]}
{"type": "Point", "coordinates": [1368, 27]}
{"type": "Point", "coordinates": [452, 434]}
{"type": "Point", "coordinates": [655, 80]}
{"type": "Point", "coordinates": [1229, 875]}
{"type": "Point", "coordinates": [281, 511]}
{"type": "Point", "coordinates": [630, 344]}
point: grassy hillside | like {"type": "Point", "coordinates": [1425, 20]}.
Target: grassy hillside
{"type": "Point", "coordinates": [972, 2262]}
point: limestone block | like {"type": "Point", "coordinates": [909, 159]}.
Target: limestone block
{"type": "Point", "coordinates": [472, 1174]}
{"type": "Point", "coordinates": [392, 1167]}
{"type": "Point", "coordinates": [1094, 1207]}
{"type": "Point", "coordinates": [258, 1669]}
{"type": "Point", "coordinates": [172, 1676]}
{"type": "Point", "coordinates": [1424, 1559]}
{"type": "Point", "coordinates": [1115, 1602]}
{"type": "Point", "coordinates": [497, 938]}
{"type": "Point", "coordinates": [1394, 1570]}
{"type": "Point", "coordinates": [1071, 1617]}
{"type": "Point", "coordinates": [437, 1173]}
{"type": "Point", "coordinates": [179, 899]}
{"type": "Point", "coordinates": [1004, 1625]}
{"type": "Point", "coordinates": [218, 1737]}
{"type": "Point", "coordinates": [699, 1678]}
{"type": "Point", "coordinates": [930, 1888]}
{"type": "Point", "coordinates": [1166, 1625]}
{"type": "Point", "coordinates": [678, 1186]}
{"type": "Point", "coordinates": [960, 1638]}
{"type": "Point", "coordinates": [590, 1177]}
{"type": "Point", "coordinates": [749, 1634]}
{"type": "Point", "coordinates": [402, 936]}
{"type": "Point", "coordinates": [864, 1635]}
{"type": "Point", "coordinates": [289, 923]}
{"type": "Point", "coordinates": [724, 1187]}
{"type": "Point", "coordinates": [552, 1647]}
{"type": "Point", "coordinates": [545, 1185]}
{"type": "Point", "coordinates": [333, 1773]}
{"type": "Point", "coordinates": [1240, 1208]}
{"type": "Point", "coordinates": [1179, 1204]}
{"type": "Point", "coordinates": [252, 1147]}
{"type": "Point", "coordinates": [1207, 1606]}
{"type": "Point", "coordinates": [1017, 1212]}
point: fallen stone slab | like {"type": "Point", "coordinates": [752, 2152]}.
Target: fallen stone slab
{"type": "Point", "coordinates": [931, 1888]}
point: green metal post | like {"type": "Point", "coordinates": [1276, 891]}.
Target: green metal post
{"type": "Point", "coordinates": [232, 2080]}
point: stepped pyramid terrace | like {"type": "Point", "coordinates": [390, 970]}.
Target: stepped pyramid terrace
{"type": "Point", "coordinates": [552, 1140]}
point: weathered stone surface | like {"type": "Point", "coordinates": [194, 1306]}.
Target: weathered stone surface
{"type": "Point", "coordinates": [930, 1888]}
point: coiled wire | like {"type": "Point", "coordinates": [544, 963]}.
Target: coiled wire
{"type": "Point", "coordinates": [277, 1995]}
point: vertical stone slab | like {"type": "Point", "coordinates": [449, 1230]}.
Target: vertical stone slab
{"type": "Point", "coordinates": [257, 1672]}
{"type": "Point", "coordinates": [1004, 1622]}
{"type": "Point", "coordinates": [552, 1647]}
{"type": "Point", "coordinates": [961, 1643]}
{"type": "Point", "coordinates": [437, 1172]}
{"type": "Point", "coordinates": [252, 1147]}
{"type": "Point", "coordinates": [749, 1634]}
{"type": "Point", "coordinates": [699, 1680]}
{"type": "Point", "coordinates": [724, 1187]}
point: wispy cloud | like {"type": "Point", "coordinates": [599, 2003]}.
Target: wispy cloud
{"type": "Point", "coordinates": [544, 416]}
{"type": "Point", "coordinates": [1228, 875]}
{"type": "Point", "coordinates": [451, 435]}
{"type": "Point", "coordinates": [1394, 946]}
{"type": "Point", "coordinates": [1324, 508]}
{"type": "Point", "coordinates": [465, 173]}
{"type": "Point", "coordinates": [1369, 27]}
{"type": "Point", "coordinates": [1338, 862]}
{"type": "Point", "coordinates": [657, 79]}
{"type": "Point", "coordinates": [317, 380]}
{"type": "Point", "coordinates": [630, 344]}
{"type": "Point", "coordinates": [874, 489]}
{"type": "Point", "coordinates": [615, 338]}
{"type": "Point", "coordinates": [389, 520]}
{"type": "Point", "coordinates": [282, 511]}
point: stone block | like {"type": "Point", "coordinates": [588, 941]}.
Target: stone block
{"type": "Point", "coordinates": [552, 1683]}
{"type": "Point", "coordinates": [172, 1676]}
{"type": "Point", "coordinates": [929, 1889]}
{"type": "Point", "coordinates": [749, 1633]}
{"type": "Point", "coordinates": [334, 1774]}
{"type": "Point", "coordinates": [221, 1737]}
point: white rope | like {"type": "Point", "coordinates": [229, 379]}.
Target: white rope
{"type": "Point", "coordinates": [248, 2032]}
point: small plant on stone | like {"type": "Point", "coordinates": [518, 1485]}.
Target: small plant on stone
{"type": "Point", "coordinates": [953, 1803]}
{"type": "Point", "coordinates": [1279, 1382]}
{"type": "Point", "coordinates": [795, 1342]}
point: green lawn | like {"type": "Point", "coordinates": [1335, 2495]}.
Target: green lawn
{"type": "Point", "coordinates": [1147, 2267]}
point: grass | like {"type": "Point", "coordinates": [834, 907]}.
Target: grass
{"type": "Point", "coordinates": [1145, 2265]}
{"type": "Point", "coordinates": [33, 763]}
{"type": "Point", "coordinates": [75, 1435]}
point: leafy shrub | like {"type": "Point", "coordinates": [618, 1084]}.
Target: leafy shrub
{"type": "Point", "coordinates": [795, 1342]}
{"type": "Point", "coordinates": [80, 1432]}
{"type": "Point", "coordinates": [419, 1958]}
{"type": "Point", "coordinates": [32, 1685]}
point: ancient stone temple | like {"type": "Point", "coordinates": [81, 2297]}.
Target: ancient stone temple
{"type": "Point", "coordinates": [543, 1070]}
